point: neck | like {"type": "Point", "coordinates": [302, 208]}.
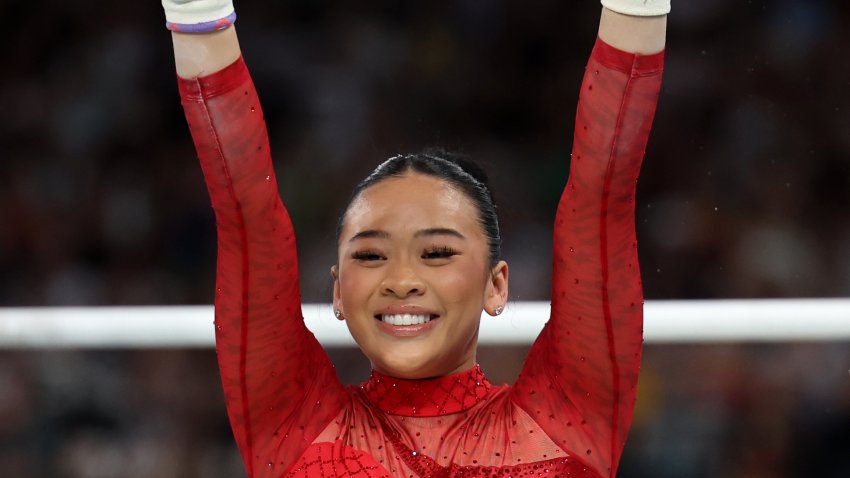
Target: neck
{"type": "Point", "coordinates": [427, 397]}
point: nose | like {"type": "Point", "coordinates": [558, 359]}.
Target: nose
{"type": "Point", "coordinates": [402, 281]}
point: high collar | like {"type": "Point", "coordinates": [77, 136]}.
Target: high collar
{"type": "Point", "coordinates": [429, 397]}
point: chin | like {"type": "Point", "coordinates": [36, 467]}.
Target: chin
{"type": "Point", "coordinates": [408, 365]}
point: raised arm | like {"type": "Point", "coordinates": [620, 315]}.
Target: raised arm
{"type": "Point", "coordinates": [581, 374]}
{"type": "Point", "coordinates": [279, 385]}
{"type": "Point", "coordinates": [202, 54]}
{"type": "Point", "coordinates": [644, 35]}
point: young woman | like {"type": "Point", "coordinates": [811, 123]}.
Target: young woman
{"type": "Point", "coordinates": [417, 263]}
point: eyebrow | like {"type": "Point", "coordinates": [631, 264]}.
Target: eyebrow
{"type": "Point", "coordinates": [369, 234]}
{"type": "Point", "coordinates": [439, 231]}
{"type": "Point", "coordinates": [434, 231]}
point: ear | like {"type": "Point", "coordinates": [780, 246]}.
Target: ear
{"type": "Point", "coordinates": [496, 294]}
{"type": "Point", "coordinates": [337, 302]}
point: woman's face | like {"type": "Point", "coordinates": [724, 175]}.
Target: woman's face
{"type": "Point", "coordinates": [412, 250]}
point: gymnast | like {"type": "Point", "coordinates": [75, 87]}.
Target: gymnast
{"type": "Point", "coordinates": [418, 260]}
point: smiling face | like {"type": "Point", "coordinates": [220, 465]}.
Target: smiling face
{"type": "Point", "coordinates": [412, 250]}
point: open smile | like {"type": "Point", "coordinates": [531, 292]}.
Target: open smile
{"type": "Point", "coordinates": [406, 319]}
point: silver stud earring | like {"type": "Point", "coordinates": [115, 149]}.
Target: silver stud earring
{"type": "Point", "coordinates": [499, 309]}
{"type": "Point", "coordinates": [337, 313]}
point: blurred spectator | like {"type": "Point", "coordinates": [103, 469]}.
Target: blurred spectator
{"type": "Point", "coordinates": [744, 194]}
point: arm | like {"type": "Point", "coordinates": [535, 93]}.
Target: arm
{"type": "Point", "coordinates": [201, 54]}
{"type": "Point", "coordinates": [581, 374]}
{"type": "Point", "coordinates": [633, 34]}
{"type": "Point", "coordinates": [279, 385]}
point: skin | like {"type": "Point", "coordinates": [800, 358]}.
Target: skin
{"type": "Point", "coordinates": [642, 35]}
{"type": "Point", "coordinates": [458, 287]}
{"type": "Point", "coordinates": [410, 263]}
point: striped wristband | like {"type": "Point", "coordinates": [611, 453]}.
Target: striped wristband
{"type": "Point", "coordinates": [198, 16]}
{"type": "Point", "coordinates": [203, 27]}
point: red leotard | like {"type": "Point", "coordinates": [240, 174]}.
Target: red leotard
{"type": "Point", "coordinates": [570, 410]}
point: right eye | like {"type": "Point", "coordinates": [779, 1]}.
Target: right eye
{"type": "Point", "coordinates": [367, 256]}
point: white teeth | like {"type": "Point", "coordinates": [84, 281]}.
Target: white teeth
{"type": "Point", "coordinates": [405, 319]}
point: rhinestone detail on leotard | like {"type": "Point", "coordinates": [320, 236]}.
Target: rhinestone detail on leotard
{"type": "Point", "coordinates": [427, 398]}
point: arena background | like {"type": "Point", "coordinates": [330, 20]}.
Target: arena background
{"type": "Point", "coordinates": [744, 194]}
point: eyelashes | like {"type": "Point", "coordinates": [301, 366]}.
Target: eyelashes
{"type": "Point", "coordinates": [367, 255]}
{"type": "Point", "coordinates": [436, 252]}
{"type": "Point", "coordinates": [440, 252]}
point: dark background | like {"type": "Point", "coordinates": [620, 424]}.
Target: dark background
{"type": "Point", "coordinates": [744, 194]}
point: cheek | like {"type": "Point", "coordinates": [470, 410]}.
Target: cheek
{"type": "Point", "coordinates": [355, 285]}
{"type": "Point", "coordinates": [348, 284]}
{"type": "Point", "coordinates": [459, 285]}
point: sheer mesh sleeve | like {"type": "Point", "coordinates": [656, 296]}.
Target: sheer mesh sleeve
{"type": "Point", "coordinates": [581, 373]}
{"type": "Point", "coordinates": [279, 385]}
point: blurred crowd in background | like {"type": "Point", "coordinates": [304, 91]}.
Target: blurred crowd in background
{"type": "Point", "coordinates": [744, 194]}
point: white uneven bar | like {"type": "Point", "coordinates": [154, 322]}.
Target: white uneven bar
{"type": "Point", "coordinates": [773, 320]}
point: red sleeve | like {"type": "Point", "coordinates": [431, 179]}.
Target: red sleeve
{"type": "Point", "coordinates": [280, 387]}
{"type": "Point", "coordinates": [581, 374]}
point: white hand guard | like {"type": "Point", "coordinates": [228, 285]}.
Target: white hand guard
{"type": "Point", "coordinates": [641, 8]}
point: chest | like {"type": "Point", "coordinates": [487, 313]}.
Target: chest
{"type": "Point", "coordinates": [492, 439]}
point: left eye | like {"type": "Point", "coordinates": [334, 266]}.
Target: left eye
{"type": "Point", "coordinates": [439, 253]}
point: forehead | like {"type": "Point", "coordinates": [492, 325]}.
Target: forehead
{"type": "Point", "coordinates": [411, 202]}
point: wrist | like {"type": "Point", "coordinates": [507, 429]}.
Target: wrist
{"type": "Point", "coordinates": [641, 8]}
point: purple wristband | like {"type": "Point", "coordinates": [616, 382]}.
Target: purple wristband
{"type": "Point", "coordinates": [204, 27]}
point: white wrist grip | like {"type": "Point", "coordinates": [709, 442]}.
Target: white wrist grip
{"type": "Point", "coordinates": [191, 12]}
{"type": "Point", "coordinates": [641, 8]}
